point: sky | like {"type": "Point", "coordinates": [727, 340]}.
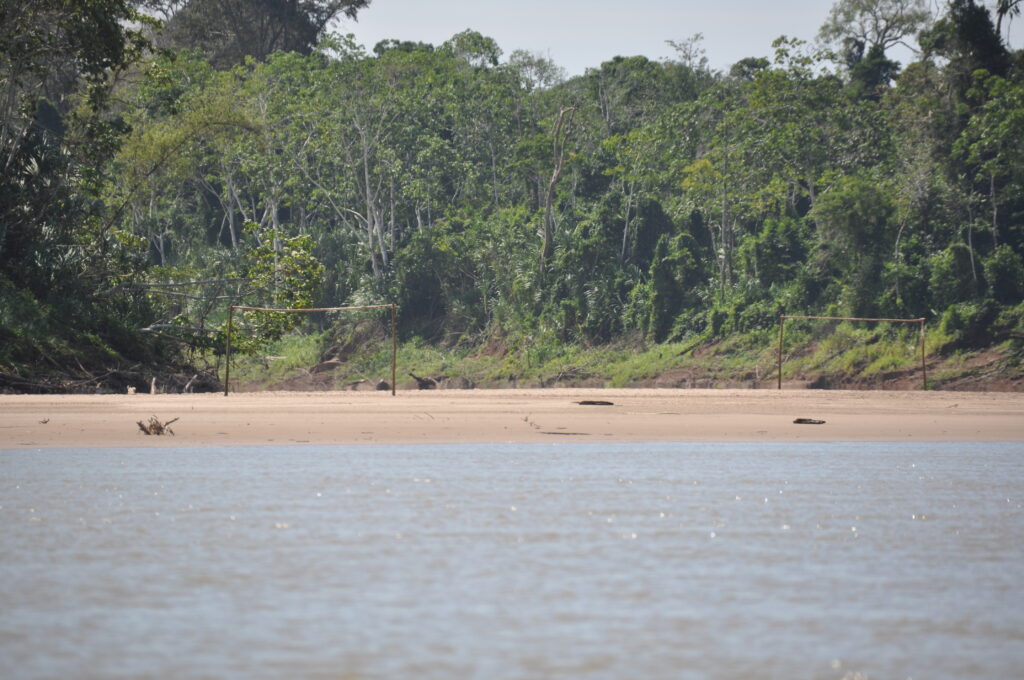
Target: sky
{"type": "Point", "coordinates": [581, 34]}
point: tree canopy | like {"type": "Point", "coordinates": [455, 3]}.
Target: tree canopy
{"type": "Point", "coordinates": [256, 157]}
{"type": "Point", "coordinates": [228, 31]}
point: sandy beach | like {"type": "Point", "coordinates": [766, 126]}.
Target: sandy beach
{"type": "Point", "coordinates": [449, 416]}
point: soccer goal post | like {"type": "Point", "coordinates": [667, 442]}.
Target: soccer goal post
{"type": "Point", "coordinates": [920, 322]}
{"type": "Point", "coordinates": [394, 332]}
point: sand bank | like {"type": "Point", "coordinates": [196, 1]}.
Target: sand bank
{"type": "Point", "coordinates": [285, 418]}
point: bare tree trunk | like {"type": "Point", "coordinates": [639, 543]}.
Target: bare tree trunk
{"type": "Point", "coordinates": [625, 226]}
{"type": "Point", "coordinates": [560, 134]}
{"type": "Point", "coordinates": [494, 171]}
{"type": "Point", "coordinates": [995, 209]}
{"type": "Point", "coordinates": [897, 259]}
{"type": "Point", "coordinates": [812, 193]}
{"type": "Point", "coordinates": [233, 195]}
{"type": "Point", "coordinates": [726, 241]}
{"type": "Point", "coordinates": [381, 240]}
{"type": "Point", "coordinates": [372, 218]}
{"type": "Point", "coordinates": [970, 241]}
{"type": "Point", "coordinates": [392, 215]}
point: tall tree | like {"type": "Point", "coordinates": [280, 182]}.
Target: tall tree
{"type": "Point", "coordinates": [874, 23]}
{"type": "Point", "coordinates": [968, 38]}
{"type": "Point", "coordinates": [559, 138]}
{"type": "Point", "coordinates": [231, 30]}
{"type": "Point", "coordinates": [993, 145]}
{"type": "Point", "coordinates": [58, 61]}
{"type": "Point", "coordinates": [1004, 9]}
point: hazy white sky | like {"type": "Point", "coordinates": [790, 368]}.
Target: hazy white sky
{"type": "Point", "coordinates": [578, 34]}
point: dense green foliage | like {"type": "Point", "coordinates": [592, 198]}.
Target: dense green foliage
{"type": "Point", "coordinates": [495, 199]}
{"type": "Point", "coordinates": [62, 258]}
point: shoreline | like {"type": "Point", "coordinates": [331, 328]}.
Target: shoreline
{"type": "Point", "coordinates": [513, 416]}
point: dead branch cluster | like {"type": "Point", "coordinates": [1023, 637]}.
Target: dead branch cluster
{"type": "Point", "coordinates": [154, 426]}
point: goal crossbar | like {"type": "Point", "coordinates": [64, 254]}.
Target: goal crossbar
{"type": "Point", "coordinates": [919, 321]}
{"type": "Point", "coordinates": [305, 310]}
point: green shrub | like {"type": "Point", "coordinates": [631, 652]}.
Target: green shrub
{"type": "Point", "coordinates": [954, 276]}
{"type": "Point", "coordinates": [969, 323]}
{"type": "Point", "coordinates": [1004, 271]}
{"type": "Point", "coordinates": [716, 321]}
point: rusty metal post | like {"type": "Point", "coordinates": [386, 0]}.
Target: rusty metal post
{"type": "Point", "coordinates": [782, 323]}
{"type": "Point", "coordinates": [227, 352]}
{"type": "Point", "coordinates": [924, 368]}
{"type": "Point", "coordinates": [394, 347]}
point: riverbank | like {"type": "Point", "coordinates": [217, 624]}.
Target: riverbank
{"type": "Point", "coordinates": [545, 415]}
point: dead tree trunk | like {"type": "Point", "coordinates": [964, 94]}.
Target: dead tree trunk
{"type": "Point", "coordinates": [560, 135]}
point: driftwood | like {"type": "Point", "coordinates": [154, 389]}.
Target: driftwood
{"type": "Point", "coordinates": [23, 385]}
{"type": "Point", "coordinates": [594, 402]}
{"type": "Point", "coordinates": [154, 426]}
{"type": "Point", "coordinates": [808, 421]}
{"type": "Point", "coordinates": [113, 381]}
{"type": "Point", "coordinates": [424, 383]}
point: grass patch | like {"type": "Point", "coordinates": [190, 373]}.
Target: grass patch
{"type": "Point", "coordinates": [282, 359]}
{"type": "Point", "coordinates": [844, 353]}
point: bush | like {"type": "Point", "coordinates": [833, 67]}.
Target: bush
{"type": "Point", "coordinates": [716, 320]}
{"type": "Point", "coordinates": [969, 323]}
{"type": "Point", "coordinates": [1005, 274]}
{"type": "Point", "coordinates": [953, 276]}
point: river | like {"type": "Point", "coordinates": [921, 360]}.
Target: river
{"type": "Point", "coordinates": [841, 561]}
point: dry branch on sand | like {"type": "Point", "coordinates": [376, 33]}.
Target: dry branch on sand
{"type": "Point", "coordinates": [154, 426]}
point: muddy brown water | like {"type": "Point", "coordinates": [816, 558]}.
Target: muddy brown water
{"type": "Point", "coordinates": [565, 560]}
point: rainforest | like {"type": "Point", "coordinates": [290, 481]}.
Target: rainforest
{"type": "Point", "coordinates": [644, 223]}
